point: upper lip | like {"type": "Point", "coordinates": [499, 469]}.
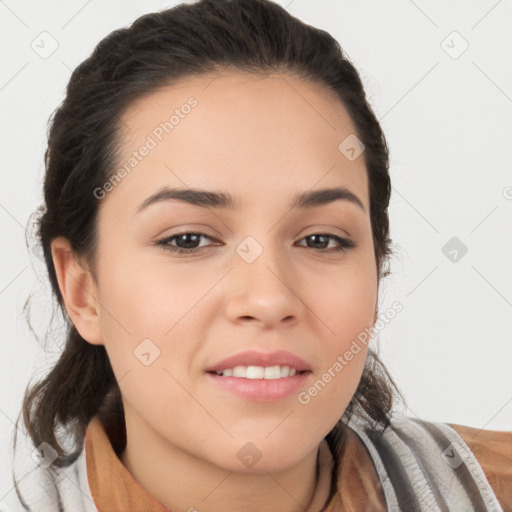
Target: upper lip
{"type": "Point", "coordinates": [255, 358]}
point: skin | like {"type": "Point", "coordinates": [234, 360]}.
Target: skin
{"type": "Point", "coordinates": [262, 140]}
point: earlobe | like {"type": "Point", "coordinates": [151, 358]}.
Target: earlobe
{"type": "Point", "coordinates": [78, 291]}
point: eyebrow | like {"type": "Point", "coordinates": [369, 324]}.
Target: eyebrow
{"type": "Point", "coordinates": [210, 199]}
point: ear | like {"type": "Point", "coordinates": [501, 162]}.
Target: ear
{"type": "Point", "coordinates": [78, 290]}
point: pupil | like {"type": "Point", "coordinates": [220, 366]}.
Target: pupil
{"type": "Point", "coordinates": [186, 238]}
{"type": "Point", "coordinates": [316, 237]}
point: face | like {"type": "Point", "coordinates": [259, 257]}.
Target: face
{"type": "Point", "coordinates": [257, 275]}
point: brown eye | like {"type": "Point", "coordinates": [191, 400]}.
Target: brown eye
{"type": "Point", "coordinates": [185, 242]}
{"type": "Point", "coordinates": [320, 242]}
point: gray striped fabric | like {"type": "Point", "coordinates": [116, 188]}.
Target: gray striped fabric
{"type": "Point", "coordinates": [426, 466]}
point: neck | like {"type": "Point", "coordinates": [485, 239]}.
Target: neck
{"type": "Point", "coordinates": [198, 484]}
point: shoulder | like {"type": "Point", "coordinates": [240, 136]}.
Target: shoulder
{"type": "Point", "coordinates": [423, 465]}
{"type": "Point", "coordinates": [493, 450]}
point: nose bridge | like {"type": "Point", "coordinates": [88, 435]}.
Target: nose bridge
{"type": "Point", "coordinates": [262, 286]}
{"type": "Point", "coordinates": [261, 258]}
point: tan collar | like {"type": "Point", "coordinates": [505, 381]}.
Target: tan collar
{"type": "Point", "coordinates": [114, 488]}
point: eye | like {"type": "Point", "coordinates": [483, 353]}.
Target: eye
{"type": "Point", "coordinates": [322, 239]}
{"type": "Point", "coordinates": [186, 243]}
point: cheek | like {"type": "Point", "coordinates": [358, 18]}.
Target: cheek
{"type": "Point", "coordinates": [345, 307]}
{"type": "Point", "coordinates": [145, 323]}
{"type": "Point", "coordinates": [145, 299]}
{"type": "Point", "coordinates": [347, 311]}
{"type": "Point", "coordinates": [150, 321]}
{"type": "Point", "coordinates": [330, 392]}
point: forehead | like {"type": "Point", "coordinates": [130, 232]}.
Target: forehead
{"type": "Point", "coordinates": [254, 136]}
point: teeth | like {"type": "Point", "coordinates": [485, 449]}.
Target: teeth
{"type": "Point", "coordinates": [239, 371]}
{"type": "Point", "coordinates": [255, 372]}
{"type": "Point", "coordinates": [272, 372]}
{"type": "Point", "coordinates": [259, 372]}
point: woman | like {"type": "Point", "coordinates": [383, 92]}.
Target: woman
{"type": "Point", "coordinates": [215, 229]}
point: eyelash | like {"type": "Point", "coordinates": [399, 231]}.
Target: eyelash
{"type": "Point", "coordinates": [345, 244]}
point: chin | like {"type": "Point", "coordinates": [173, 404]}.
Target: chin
{"type": "Point", "coordinates": [263, 457]}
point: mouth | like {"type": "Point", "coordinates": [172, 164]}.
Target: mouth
{"type": "Point", "coordinates": [260, 376]}
{"type": "Point", "coordinates": [260, 372]}
{"type": "Point", "coordinates": [259, 383]}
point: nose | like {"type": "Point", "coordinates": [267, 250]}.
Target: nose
{"type": "Point", "coordinates": [265, 290]}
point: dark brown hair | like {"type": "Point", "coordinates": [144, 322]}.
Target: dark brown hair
{"type": "Point", "coordinates": [157, 50]}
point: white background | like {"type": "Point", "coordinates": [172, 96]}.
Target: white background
{"type": "Point", "coordinates": [448, 122]}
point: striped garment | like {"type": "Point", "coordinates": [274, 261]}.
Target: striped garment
{"type": "Point", "coordinates": [426, 466]}
{"type": "Point", "coordinates": [418, 466]}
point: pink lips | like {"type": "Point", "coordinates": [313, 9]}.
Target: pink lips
{"type": "Point", "coordinates": [254, 358]}
{"type": "Point", "coordinates": [261, 390]}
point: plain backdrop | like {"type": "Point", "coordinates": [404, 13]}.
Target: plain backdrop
{"type": "Point", "coordinates": [438, 76]}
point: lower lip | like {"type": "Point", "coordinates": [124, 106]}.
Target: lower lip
{"type": "Point", "coordinates": [261, 390]}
